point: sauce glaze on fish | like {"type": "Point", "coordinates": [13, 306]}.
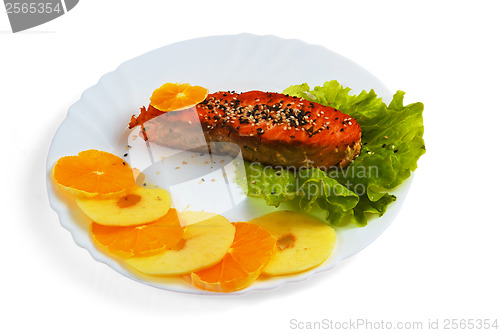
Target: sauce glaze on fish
{"type": "Point", "coordinates": [270, 128]}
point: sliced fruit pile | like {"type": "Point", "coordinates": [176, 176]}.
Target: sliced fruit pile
{"type": "Point", "coordinates": [139, 227]}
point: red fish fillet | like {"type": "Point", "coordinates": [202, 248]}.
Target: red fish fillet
{"type": "Point", "coordinates": [270, 128]}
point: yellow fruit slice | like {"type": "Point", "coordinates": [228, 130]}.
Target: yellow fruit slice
{"type": "Point", "coordinates": [139, 206]}
{"type": "Point", "coordinates": [177, 96]}
{"type": "Point", "coordinates": [205, 244]}
{"type": "Point", "coordinates": [191, 217]}
{"type": "Point", "coordinates": [304, 242]}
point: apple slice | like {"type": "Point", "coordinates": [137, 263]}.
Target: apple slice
{"type": "Point", "coordinates": [139, 206]}
{"type": "Point", "coordinates": [205, 244]}
{"type": "Point", "coordinates": [303, 242]}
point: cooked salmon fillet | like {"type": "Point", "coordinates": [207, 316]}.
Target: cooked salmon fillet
{"type": "Point", "coordinates": [270, 128]}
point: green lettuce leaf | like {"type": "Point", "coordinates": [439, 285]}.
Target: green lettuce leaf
{"type": "Point", "coordinates": [392, 144]}
{"type": "Point", "coordinates": [309, 187]}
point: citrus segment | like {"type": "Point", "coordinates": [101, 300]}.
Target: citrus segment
{"type": "Point", "coordinates": [252, 248]}
{"type": "Point", "coordinates": [147, 239]}
{"type": "Point", "coordinates": [177, 96]}
{"type": "Point", "coordinates": [93, 173]}
{"type": "Point", "coordinates": [137, 206]}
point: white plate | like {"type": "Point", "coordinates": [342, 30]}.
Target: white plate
{"type": "Point", "coordinates": [241, 62]}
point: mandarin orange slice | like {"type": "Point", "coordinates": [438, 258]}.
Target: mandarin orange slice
{"type": "Point", "coordinates": [143, 240]}
{"type": "Point", "coordinates": [252, 248]}
{"type": "Point", "coordinates": [93, 173]}
{"type": "Point", "coordinates": [177, 96]}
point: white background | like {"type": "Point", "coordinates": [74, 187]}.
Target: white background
{"type": "Point", "coordinates": [438, 260]}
